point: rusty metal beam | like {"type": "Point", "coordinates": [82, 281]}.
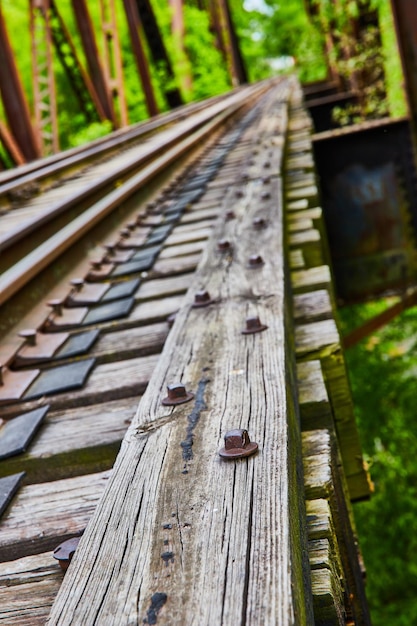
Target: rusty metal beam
{"type": "Point", "coordinates": [14, 100]}
{"type": "Point", "coordinates": [80, 82]}
{"type": "Point", "coordinates": [158, 50]}
{"type": "Point", "coordinates": [86, 31]}
{"type": "Point", "coordinates": [405, 18]}
{"type": "Point", "coordinates": [43, 76]}
{"type": "Point", "coordinates": [134, 24]}
{"type": "Point", "coordinates": [113, 58]}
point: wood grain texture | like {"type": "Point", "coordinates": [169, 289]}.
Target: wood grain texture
{"type": "Point", "coordinates": [28, 587]}
{"type": "Point", "coordinates": [73, 442]}
{"type": "Point", "coordinates": [220, 542]}
{"type": "Point", "coordinates": [35, 524]}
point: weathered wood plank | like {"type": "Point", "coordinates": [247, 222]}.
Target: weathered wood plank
{"type": "Point", "coordinates": [312, 306]}
{"type": "Point", "coordinates": [315, 410]}
{"type": "Point", "coordinates": [28, 587]}
{"type": "Point", "coordinates": [75, 442]}
{"type": "Point", "coordinates": [190, 526]}
{"type": "Point", "coordinates": [44, 515]}
{"type": "Point", "coordinates": [324, 479]}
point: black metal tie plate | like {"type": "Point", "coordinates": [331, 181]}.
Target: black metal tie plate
{"type": "Point", "coordinates": [105, 312]}
{"type": "Point", "coordinates": [16, 433]}
{"type": "Point", "coordinates": [141, 262]}
{"type": "Point", "coordinates": [8, 487]}
{"type": "Point", "coordinates": [59, 379]}
{"type": "Point", "coordinates": [70, 345]}
{"type": "Point", "coordinates": [96, 293]}
{"type": "Point", "coordinates": [158, 234]}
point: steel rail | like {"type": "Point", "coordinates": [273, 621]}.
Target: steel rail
{"type": "Point", "coordinates": [11, 180]}
{"type": "Point", "coordinates": [163, 142]}
{"type": "Point", "coordinates": [25, 270]}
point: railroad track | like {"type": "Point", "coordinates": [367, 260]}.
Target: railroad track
{"type": "Point", "coordinates": [116, 280]}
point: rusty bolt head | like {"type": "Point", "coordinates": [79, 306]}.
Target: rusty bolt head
{"type": "Point", "coordinates": [125, 233]}
{"type": "Point", "coordinates": [96, 265]}
{"type": "Point", "coordinates": [65, 551]}
{"type": "Point", "coordinates": [201, 299]}
{"type": "Point", "coordinates": [56, 306]}
{"type": "Point", "coordinates": [239, 193]}
{"type": "Point", "coordinates": [267, 164]}
{"type": "Point", "coordinates": [230, 215]}
{"type": "Point", "coordinates": [140, 216]}
{"type": "Point", "coordinates": [224, 245]}
{"type": "Point", "coordinates": [265, 195]}
{"type": "Point", "coordinates": [131, 225]}
{"type": "Point", "coordinates": [29, 335]}
{"type": "Point", "coordinates": [266, 180]}
{"type": "Point", "coordinates": [259, 222]}
{"type": "Point", "coordinates": [253, 325]}
{"type": "Point", "coordinates": [77, 283]}
{"type": "Point", "coordinates": [244, 176]}
{"type": "Point", "coordinates": [177, 394]}
{"type": "Point", "coordinates": [237, 445]}
{"type": "Point", "coordinates": [110, 247]}
{"type": "Point", "coordinates": [255, 261]}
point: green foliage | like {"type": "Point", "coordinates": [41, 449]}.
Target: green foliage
{"type": "Point", "coordinates": [289, 32]}
{"type": "Point", "coordinates": [383, 371]}
{"type": "Point", "coordinates": [209, 71]}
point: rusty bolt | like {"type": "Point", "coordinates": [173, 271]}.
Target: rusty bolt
{"type": "Point", "coordinates": [253, 325]}
{"type": "Point", "coordinates": [96, 264]}
{"type": "Point", "coordinates": [77, 283]}
{"type": "Point", "coordinates": [125, 233]}
{"type": "Point", "coordinates": [29, 335]}
{"type": "Point", "coordinates": [140, 216]}
{"type": "Point", "coordinates": [255, 261]}
{"type": "Point", "coordinates": [230, 215]}
{"type": "Point", "coordinates": [131, 225]}
{"type": "Point", "coordinates": [65, 551]}
{"type": "Point", "coordinates": [177, 394]}
{"type": "Point", "coordinates": [56, 306]}
{"type": "Point", "coordinates": [201, 298]}
{"type": "Point", "coordinates": [265, 195]}
{"type": "Point", "coordinates": [259, 222]}
{"type": "Point", "coordinates": [110, 247]}
{"type": "Point", "coordinates": [244, 176]}
{"type": "Point", "coordinates": [239, 193]}
{"type": "Point", "coordinates": [267, 164]}
{"type": "Point", "coordinates": [237, 444]}
{"type": "Point", "coordinates": [224, 245]}
{"type": "Point", "coordinates": [151, 205]}
{"type": "Point", "coordinates": [266, 180]}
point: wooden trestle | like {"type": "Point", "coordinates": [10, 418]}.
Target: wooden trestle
{"type": "Point", "coordinates": [176, 534]}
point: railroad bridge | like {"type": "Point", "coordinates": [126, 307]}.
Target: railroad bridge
{"type": "Point", "coordinates": [177, 430]}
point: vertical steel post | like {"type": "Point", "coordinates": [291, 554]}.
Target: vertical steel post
{"type": "Point", "coordinates": [134, 24]}
{"type": "Point", "coordinates": [178, 31]}
{"type": "Point", "coordinates": [43, 76]}
{"type": "Point", "coordinates": [112, 57]}
{"type": "Point", "coordinates": [86, 31]}
{"type": "Point", "coordinates": [229, 41]}
{"type": "Point", "coordinates": [158, 50]}
{"type": "Point", "coordinates": [79, 79]}
{"type": "Point", "coordinates": [14, 101]}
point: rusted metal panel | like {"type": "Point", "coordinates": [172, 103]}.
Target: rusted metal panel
{"type": "Point", "coordinates": [405, 18]}
{"type": "Point", "coordinates": [86, 30]}
{"type": "Point", "coordinates": [134, 24]}
{"type": "Point", "coordinates": [369, 195]}
{"type": "Point", "coordinates": [14, 101]}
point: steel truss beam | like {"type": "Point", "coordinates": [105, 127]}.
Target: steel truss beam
{"type": "Point", "coordinates": [43, 76]}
